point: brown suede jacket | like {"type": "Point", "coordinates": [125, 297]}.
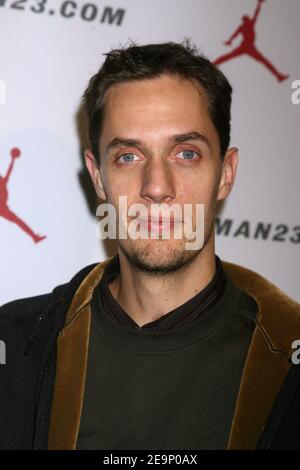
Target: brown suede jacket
{"type": "Point", "coordinates": [47, 337]}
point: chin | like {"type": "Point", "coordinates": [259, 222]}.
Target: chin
{"type": "Point", "coordinates": [158, 256]}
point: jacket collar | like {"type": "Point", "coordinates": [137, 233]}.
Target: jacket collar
{"type": "Point", "coordinates": [278, 324]}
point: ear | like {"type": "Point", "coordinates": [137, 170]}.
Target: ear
{"type": "Point", "coordinates": [229, 168]}
{"type": "Point", "coordinates": [94, 170]}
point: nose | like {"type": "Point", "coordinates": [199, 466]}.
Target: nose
{"type": "Point", "coordinates": [158, 183]}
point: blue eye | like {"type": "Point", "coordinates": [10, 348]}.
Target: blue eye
{"type": "Point", "coordinates": [188, 154]}
{"type": "Point", "coordinates": [127, 157]}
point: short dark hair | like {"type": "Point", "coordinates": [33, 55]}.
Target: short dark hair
{"type": "Point", "coordinates": [152, 60]}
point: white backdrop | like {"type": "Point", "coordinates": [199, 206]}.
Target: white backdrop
{"type": "Point", "coordinates": [46, 60]}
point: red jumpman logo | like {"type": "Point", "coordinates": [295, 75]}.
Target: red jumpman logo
{"type": "Point", "coordinates": [4, 209]}
{"type": "Point", "coordinates": [247, 46]}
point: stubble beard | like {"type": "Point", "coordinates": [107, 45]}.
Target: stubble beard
{"type": "Point", "coordinates": [159, 257]}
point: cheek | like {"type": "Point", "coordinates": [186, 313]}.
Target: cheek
{"type": "Point", "coordinates": [114, 185]}
{"type": "Point", "coordinates": [118, 188]}
{"type": "Point", "coordinates": [208, 184]}
{"type": "Point", "coordinates": [204, 192]}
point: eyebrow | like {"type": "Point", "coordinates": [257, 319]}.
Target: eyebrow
{"type": "Point", "coordinates": [178, 138]}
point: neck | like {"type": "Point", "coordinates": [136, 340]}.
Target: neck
{"type": "Point", "coordinates": [146, 297]}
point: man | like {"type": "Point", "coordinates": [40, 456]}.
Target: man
{"type": "Point", "coordinates": [160, 346]}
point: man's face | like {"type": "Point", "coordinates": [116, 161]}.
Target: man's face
{"type": "Point", "coordinates": [158, 145]}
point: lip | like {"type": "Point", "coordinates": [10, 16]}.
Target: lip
{"type": "Point", "coordinates": [158, 223]}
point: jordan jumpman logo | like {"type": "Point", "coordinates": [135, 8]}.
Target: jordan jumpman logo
{"type": "Point", "coordinates": [247, 46]}
{"type": "Point", "coordinates": [5, 210]}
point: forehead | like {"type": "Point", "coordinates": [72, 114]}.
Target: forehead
{"type": "Point", "coordinates": [154, 106]}
{"type": "Point", "coordinates": [153, 87]}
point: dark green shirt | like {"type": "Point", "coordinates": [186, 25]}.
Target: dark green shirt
{"type": "Point", "coordinates": [174, 388]}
